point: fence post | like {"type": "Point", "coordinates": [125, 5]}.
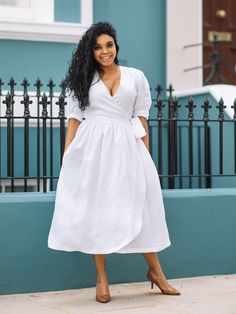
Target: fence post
{"type": "Point", "coordinates": [160, 105]}
{"type": "Point", "coordinates": [206, 106]}
{"type": "Point", "coordinates": [190, 107]}
{"type": "Point", "coordinates": [171, 141]}
{"type": "Point", "coordinates": [38, 85]}
{"type": "Point", "coordinates": [26, 101]}
{"type": "Point", "coordinates": [61, 102]}
{"type": "Point", "coordinates": [44, 103]}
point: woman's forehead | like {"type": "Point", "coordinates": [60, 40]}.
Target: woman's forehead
{"type": "Point", "coordinates": [103, 39]}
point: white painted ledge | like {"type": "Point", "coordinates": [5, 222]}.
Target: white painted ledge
{"type": "Point", "coordinates": [34, 31]}
{"type": "Point", "coordinates": [224, 91]}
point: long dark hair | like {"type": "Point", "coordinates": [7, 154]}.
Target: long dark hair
{"type": "Point", "coordinates": [83, 65]}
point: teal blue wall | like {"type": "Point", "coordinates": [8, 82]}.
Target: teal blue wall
{"type": "Point", "coordinates": [67, 11]}
{"type": "Point", "coordinates": [202, 231]}
{"type": "Point", "coordinates": [33, 60]}
{"type": "Point", "coordinates": [141, 31]}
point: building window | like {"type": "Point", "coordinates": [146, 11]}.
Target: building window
{"type": "Point", "coordinates": [27, 11]}
{"type": "Point", "coordinates": [34, 20]}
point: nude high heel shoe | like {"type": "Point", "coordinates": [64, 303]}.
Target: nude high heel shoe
{"type": "Point", "coordinates": [163, 291]}
{"type": "Point", "coordinates": [103, 298]}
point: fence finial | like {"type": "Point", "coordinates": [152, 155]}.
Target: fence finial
{"type": "Point", "coordinates": [234, 107]}
{"type": "Point", "coordinates": [190, 107]}
{"type": "Point", "coordinates": [206, 106]}
{"type": "Point", "coordinates": [38, 85]}
{"type": "Point", "coordinates": [51, 85]}
{"type": "Point", "coordinates": [221, 108]}
{"type": "Point", "coordinates": [25, 85]}
{"type": "Point", "coordinates": [44, 102]}
{"type": "Point", "coordinates": [9, 102]}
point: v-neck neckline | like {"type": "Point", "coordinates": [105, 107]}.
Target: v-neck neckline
{"type": "Point", "coordinates": [118, 86]}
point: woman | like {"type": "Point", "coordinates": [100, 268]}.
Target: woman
{"type": "Point", "coordinates": [108, 194]}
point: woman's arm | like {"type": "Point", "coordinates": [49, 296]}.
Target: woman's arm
{"type": "Point", "coordinates": [146, 137]}
{"type": "Point", "coordinates": [72, 127]}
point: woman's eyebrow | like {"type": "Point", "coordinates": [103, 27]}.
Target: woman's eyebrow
{"type": "Point", "coordinates": [108, 42]}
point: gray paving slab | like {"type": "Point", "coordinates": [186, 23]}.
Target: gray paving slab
{"type": "Point", "coordinates": [200, 295]}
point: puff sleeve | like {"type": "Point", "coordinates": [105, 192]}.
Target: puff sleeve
{"type": "Point", "coordinates": [143, 99]}
{"type": "Point", "coordinates": [73, 109]}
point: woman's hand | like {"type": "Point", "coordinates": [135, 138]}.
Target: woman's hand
{"type": "Point", "coordinates": [72, 127]}
{"type": "Point", "coordinates": [146, 137]}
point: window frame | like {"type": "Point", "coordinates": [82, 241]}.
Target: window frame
{"type": "Point", "coordinates": [37, 23]}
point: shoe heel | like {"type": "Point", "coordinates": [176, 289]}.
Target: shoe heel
{"type": "Point", "coordinates": [151, 285]}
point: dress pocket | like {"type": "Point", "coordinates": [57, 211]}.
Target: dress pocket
{"type": "Point", "coordinates": [70, 145]}
{"type": "Point", "coordinates": [72, 142]}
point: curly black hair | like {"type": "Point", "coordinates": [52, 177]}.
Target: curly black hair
{"type": "Point", "coordinates": [83, 65]}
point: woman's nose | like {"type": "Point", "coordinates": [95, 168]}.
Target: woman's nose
{"type": "Point", "coordinates": [104, 50]}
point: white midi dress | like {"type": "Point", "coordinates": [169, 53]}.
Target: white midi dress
{"type": "Point", "coordinates": [108, 196]}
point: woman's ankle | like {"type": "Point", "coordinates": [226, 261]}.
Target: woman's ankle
{"type": "Point", "coordinates": [102, 278]}
{"type": "Point", "coordinates": [158, 273]}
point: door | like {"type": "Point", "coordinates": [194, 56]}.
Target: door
{"type": "Point", "coordinates": [219, 37]}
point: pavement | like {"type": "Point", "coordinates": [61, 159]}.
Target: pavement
{"type": "Point", "coordinates": [200, 295]}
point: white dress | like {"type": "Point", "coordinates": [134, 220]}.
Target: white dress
{"type": "Point", "coordinates": [108, 196]}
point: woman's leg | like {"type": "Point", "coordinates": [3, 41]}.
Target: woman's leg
{"type": "Point", "coordinates": [156, 271]}
{"type": "Point", "coordinates": [100, 263]}
{"type": "Point", "coordinates": [102, 289]}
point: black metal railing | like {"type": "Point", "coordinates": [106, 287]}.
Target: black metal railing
{"type": "Point", "coordinates": [192, 144]}
{"type": "Point", "coordinates": [207, 157]}
{"type": "Point", "coordinates": [37, 113]}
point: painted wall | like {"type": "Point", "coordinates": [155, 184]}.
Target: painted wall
{"type": "Point", "coordinates": [67, 13]}
{"type": "Point", "coordinates": [33, 60]}
{"type": "Point", "coordinates": [184, 27]}
{"type": "Point", "coordinates": [202, 231]}
{"type": "Point", "coordinates": [141, 33]}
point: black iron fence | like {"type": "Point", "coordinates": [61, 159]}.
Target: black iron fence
{"type": "Point", "coordinates": [39, 114]}
{"type": "Point", "coordinates": [192, 144]}
{"type": "Point", "coordinates": [206, 156]}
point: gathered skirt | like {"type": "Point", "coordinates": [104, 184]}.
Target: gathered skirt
{"type": "Point", "coordinates": [108, 196]}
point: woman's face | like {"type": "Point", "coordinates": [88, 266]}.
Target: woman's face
{"type": "Point", "coordinates": [104, 50]}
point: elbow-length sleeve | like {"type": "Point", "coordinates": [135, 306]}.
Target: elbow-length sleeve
{"type": "Point", "coordinates": [143, 99]}
{"type": "Point", "coordinates": [73, 109]}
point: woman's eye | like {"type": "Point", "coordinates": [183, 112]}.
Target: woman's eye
{"type": "Point", "coordinates": [97, 47]}
{"type": "Point", "coordinates": [110, 45]}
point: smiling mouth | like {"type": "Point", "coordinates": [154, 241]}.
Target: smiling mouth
{"type": "Point", "coordinates": [105, 58]}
